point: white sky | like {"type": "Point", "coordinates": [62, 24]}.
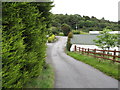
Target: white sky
{"type": "Point", "coordinates": [98, 8]}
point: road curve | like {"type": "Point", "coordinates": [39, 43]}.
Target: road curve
{"type": "Point", "coordinates": [70, 73]}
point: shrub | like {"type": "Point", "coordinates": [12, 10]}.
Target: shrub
{"type": "Point", "coordinates": [68, 46]}
{"type": "Point", "coordinates": [51, 38]}
{"type": "Point", "coordinates": [61, 34]}
{"type": "Point", "coordinates": [70, 35]}
{"type": "Point", "coordinates": [76, 32]}
{"type": "Point", "coordinates": [81, 32]}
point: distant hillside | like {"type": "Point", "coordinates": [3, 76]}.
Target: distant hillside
{"type": "Point", "coordinates": [83, 23]}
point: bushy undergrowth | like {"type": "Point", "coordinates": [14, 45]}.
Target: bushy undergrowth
{"type": "Point", "coordinates": [23, 41]}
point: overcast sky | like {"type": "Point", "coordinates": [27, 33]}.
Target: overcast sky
{"type": "Point", "coordinates": [98, 8]}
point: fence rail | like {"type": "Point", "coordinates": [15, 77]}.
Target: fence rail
{"type": "Point", "coordinates": [104, 54]}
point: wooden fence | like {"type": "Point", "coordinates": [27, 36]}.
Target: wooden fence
{"type": "Point", "coordinates": [104, 54]}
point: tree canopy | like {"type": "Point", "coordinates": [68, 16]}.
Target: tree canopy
{"type": "Point", "coordinates": [83, 23]}
{"type": "Point", "coordinates": [107, 40]}
{"type": "Point", "coordinates": [66, 29]}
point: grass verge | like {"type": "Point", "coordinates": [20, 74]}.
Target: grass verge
{"type": "Point", "coordinates": [45, 80]}
{"type": "Point", "coordinates": [105, 66]}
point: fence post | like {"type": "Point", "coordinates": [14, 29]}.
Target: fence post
{"type": "Point", "coordinates": [119, 49]}
{"type": "Point", "coordinates": [88, 51]}
{"type": "Point", "coordinates": [118, 55]}
{"type": "Point", "coordinates": [85, 50]}
{"type": "Point", "coordinates": [103, 53]}
{"type": "Point", "coordinates": [75, 48]}
{"type": "Point", "coordinates": [94, 52]}
{"type": "Point", "coordinates": [79, 49]}
{"type": "Point", "coordinates": [82, 50]}
{"type": "Point", "coordinates": [114, 55]}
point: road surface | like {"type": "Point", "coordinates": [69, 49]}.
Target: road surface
{"type": "Point", "coordinates": [70, 73]}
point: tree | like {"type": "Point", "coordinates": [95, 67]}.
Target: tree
{"type": "Point", "coordinates": [86, 17]}
{"type": "Point", "coordinates": [107, 40]}
{"type": "Point", "coordinates": [66, 29]}
{"type": "Point", "coordinates": [80, 22]}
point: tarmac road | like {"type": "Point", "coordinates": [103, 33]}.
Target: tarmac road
{"type": "Point", "coordinates": [70, 73]}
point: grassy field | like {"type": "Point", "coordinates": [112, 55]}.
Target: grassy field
{"type": "Point", "coordinates": [106, 66]}
{"type": "Point", "coordinates": [45, 80]}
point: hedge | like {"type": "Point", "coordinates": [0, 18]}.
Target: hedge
{"type": "Point", "coordinates": [23, 42]}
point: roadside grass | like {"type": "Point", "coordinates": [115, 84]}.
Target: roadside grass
{"type": "Point", "coordinates": [81, 32]}
{"type": "Point", "coordinates": [105, 66]}
{"type": "Point", "coordinates": [45, 80]}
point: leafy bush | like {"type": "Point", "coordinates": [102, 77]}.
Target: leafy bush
{"type": "Point", "coordinates": [61, 34]}
{"type": "Point", "coordinates": [51, 38]}
{"type": "Point", "coordinates": [23, 42]}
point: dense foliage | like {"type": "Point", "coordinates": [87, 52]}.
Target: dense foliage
{"type": "Point", "coordinates": [83, 23]}
{"type": "Point", "coordinates": [66, 29]}
{"type": "Point", "coordinates": [24, 41]}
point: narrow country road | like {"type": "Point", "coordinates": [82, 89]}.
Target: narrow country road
{"type": "Point", "coordinates": [70, 73]}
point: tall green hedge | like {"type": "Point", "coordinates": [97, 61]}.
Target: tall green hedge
{"type": "Point", "coordinates": [23, 41]}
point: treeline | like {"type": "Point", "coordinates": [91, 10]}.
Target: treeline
{"type": "Point", "coordinates": [83, 23]}
{"type": "Point", "coordinates": [23, 41]}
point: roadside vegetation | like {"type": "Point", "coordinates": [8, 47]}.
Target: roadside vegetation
{"type": "Point", "coordinates": [105, 41]}
{"type": "Point", "coordinates": [52, 39]}
{"type": "Point", "coordinates": [44, 80]}
{"type": "Point", "coordinates": [69, 44]}
{"type": "Point", "coordinates": [24, 40]}
{"type": "Point", "coordinates": [105, 66]}
{"type": "Point", "coordinates": [25, 26]}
